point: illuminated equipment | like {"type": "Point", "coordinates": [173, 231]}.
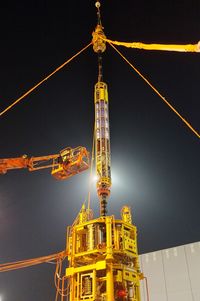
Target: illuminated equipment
{"type": "Point", "coordinates": [102, 129]}
{"type": "Point", "coordinates": [67, 163]}
{"type": "Point", "coordinates": [102, 144]}
{"type": "Point", "coordinates": [103, 258]}
{"type": "Point", "coordinates": [102, 253]}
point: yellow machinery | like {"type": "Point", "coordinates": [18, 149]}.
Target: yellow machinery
{"type": "Point", "coordinates": [103, 258]}
{"type": "Point", "coordinates": [102, 252]}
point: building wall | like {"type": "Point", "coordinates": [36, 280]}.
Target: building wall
{"type": "Point", "coordinates": [172, 274]}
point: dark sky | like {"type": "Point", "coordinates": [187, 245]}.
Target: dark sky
{"type": "Point", "coordinates": [155, 157]}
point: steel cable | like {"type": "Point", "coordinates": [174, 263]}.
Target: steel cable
{"type": "Point", "coordinates": [43, 80]}
{"type": "Point", "coordinates": [156, 91]}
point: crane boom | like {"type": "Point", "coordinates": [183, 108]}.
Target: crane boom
{"type": "Point", "coordinates": [67, 163]}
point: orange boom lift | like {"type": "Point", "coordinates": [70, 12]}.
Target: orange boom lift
{"type": "Point", "coordinates": [69, 162]}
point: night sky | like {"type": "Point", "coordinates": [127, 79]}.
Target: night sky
{"type": "Point", "coordinates": [155, 157]}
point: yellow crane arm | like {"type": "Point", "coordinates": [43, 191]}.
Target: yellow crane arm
{"type": "Point", "coordinates": [162, 47]}
{"type": "Point", "coordinates": [67, 163]}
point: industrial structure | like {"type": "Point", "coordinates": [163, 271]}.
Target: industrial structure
{"type": "Point", "coordinates": [102, 252]}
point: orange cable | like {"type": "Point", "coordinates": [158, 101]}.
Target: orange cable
{"type": "Point", "coordinates": [160, 47]}
{"type": "Point", "coordinates": [157, 92]}
{"type": "Point", "coordinates": [30, 262]}
{"type": "Point", "coordinates": [43, 80]}
{"type": "Point", "coordinates": [55, 281]}
{"type": "Point", "coordinates": [91, 169]}
{"type": "Point", "coordinates": [63, 291]}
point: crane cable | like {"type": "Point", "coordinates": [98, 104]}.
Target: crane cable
{"type": "Point", "coordinates": [43, 80]}
{"type": "Point", "coordinates": [156, 91]}
{"type": "Point", "coordinates": [91, 169]}
{"type": "Point", "coordinates": [88, 198]}
{"type": "Point", "coordinates": [162, 47]}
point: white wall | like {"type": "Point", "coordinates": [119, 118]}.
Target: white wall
{"type": "Point", "coordinates": [173, 274]}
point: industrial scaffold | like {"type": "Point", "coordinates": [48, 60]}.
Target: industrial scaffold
{"type": "Point", "coordinates": [102, 253]}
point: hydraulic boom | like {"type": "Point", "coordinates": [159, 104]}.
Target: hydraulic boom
{"type": "Point", "coordinates": [67, 163]}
